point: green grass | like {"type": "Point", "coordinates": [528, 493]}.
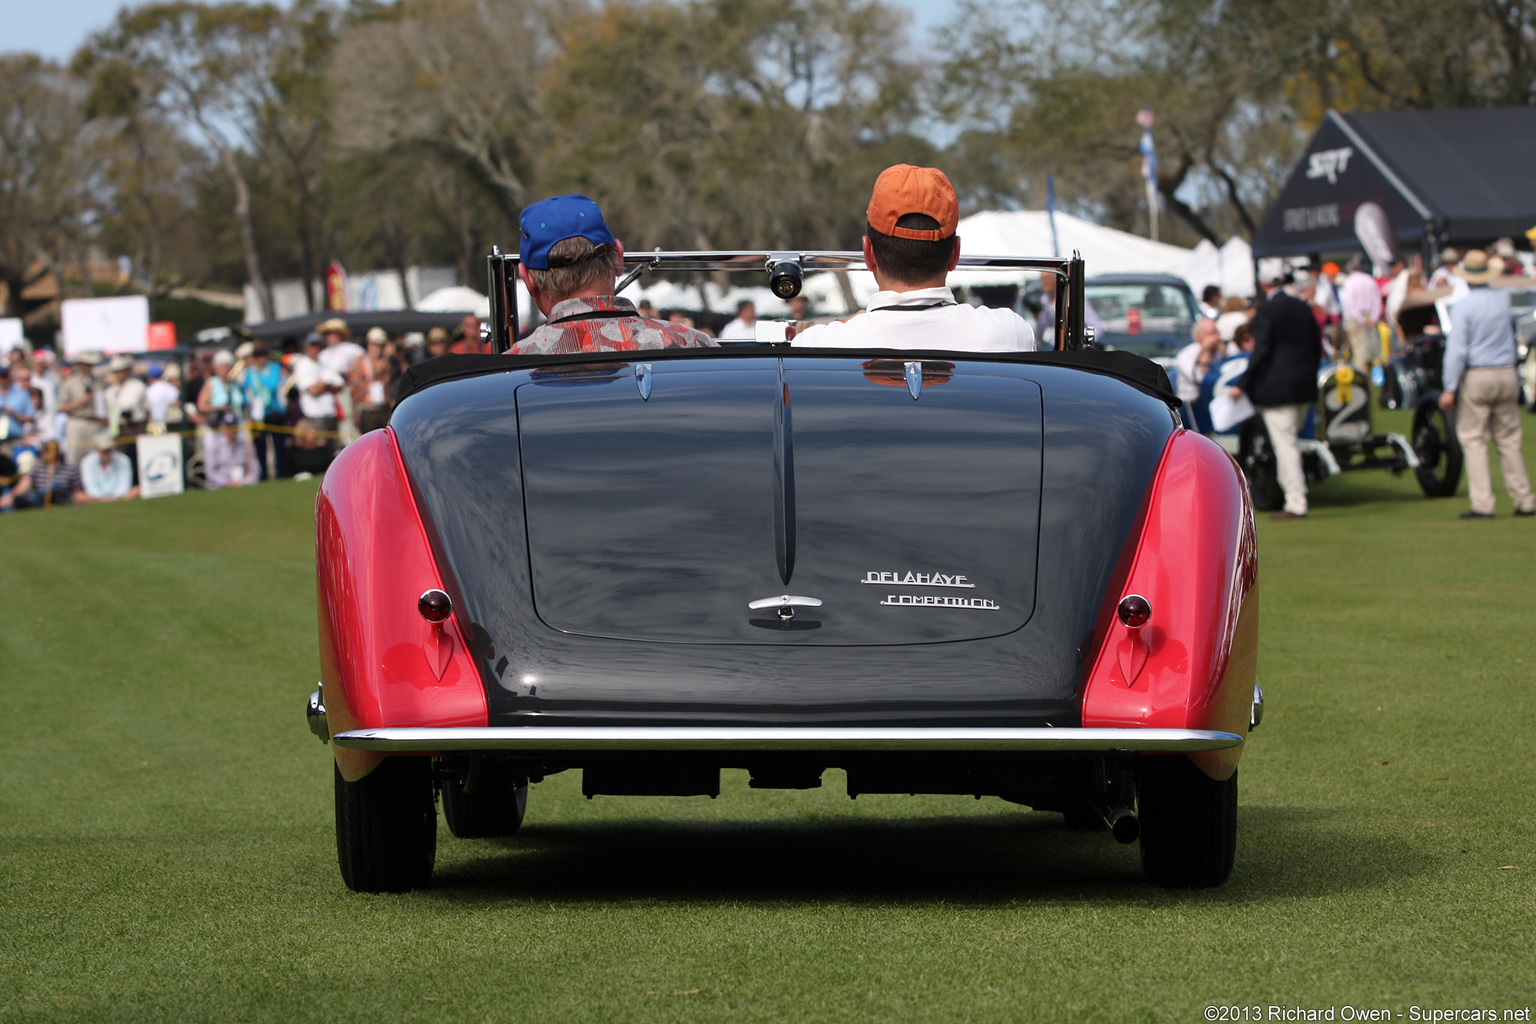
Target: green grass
{"type": "Point", "coordinates": [166, 848]}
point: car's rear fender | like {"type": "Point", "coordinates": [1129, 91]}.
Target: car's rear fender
{"type": "Point", "coordinates": [1192, 665]}
{"type": "Point", "coordinates": [382, 664]}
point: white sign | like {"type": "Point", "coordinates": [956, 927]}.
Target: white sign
{"type": "Point", "coordinates": [160, 470]}
{"type": "Point", "coordinates": [1329, 163]}
{"type": "Point", "coordinates": [10, 335]}
{"type": "Point", "coordinates": [116, 324]}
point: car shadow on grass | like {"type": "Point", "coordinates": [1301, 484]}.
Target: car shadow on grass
{"type": "Point", "coordinates": [1282, 852]}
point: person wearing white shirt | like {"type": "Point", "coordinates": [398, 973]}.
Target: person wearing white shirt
{"type": "Point", "coordinates": [161, 395]}
{"type": "Point", "coordinates": [910, 246]}
{"type": "Point", "coordinates": [316, 384]}
{"type": "Point", "coordinates": [744, 327]}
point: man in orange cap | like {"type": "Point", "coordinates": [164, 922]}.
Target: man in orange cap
{"type": "Point", "coordinates": [910, 246]}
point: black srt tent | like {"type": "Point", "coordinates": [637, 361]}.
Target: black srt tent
{"type": "Point", "coordinates": [1442, 176]}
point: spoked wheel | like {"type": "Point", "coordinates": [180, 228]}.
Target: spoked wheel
{"type": "Point", "coordinates": [1434, 442]}
{"type": "Point", "coordinates": [1257, 457]}
{"type": "Point", "coordinates": [484, 798]}
{"type": "Point", "coordinates": [1188, 823]}
{"type": "Point", "coordinates": [1528, 380]}
{"type": "Point", "coordinates": [386, 826]}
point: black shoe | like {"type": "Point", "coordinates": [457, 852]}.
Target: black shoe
{"type": "Point", "coordinates": [1525, 512]}
{"type": "Point", "coordinates": [1469, 514]}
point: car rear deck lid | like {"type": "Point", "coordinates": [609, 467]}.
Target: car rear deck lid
{"type": "Point", "coordinates": [667, 517]}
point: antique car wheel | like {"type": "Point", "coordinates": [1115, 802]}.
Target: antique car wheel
{"type": "Point", "coordinates": [487, 800]}
{"type": "Point", "coordinates": [1257, 458]}
{"type": "Point", "coordinates": [386, 826]}
{"type": "Point", "coordinates": [1188, 823]}
{"type": "Point", "coordinates": [1434, 442]}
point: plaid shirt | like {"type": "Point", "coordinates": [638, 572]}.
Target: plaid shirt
{"type": "Point", "coordinates": [605, 324]}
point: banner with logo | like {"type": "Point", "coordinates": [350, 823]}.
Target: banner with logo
{"type": "Point", "coordinates": [160, 466]}
{"type": "Point", "coordinates": [1315, 211]}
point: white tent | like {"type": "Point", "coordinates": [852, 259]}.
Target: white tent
{"type": "Point", "coordinates": [458, 299]}
{"type": "Point", "coordinates": [1230, 267]}
{"type": "Point", "coordinates": [1028, 233]}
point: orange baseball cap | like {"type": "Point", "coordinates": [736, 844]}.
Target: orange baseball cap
{"type": "Point", "coordinates": [905, 189]}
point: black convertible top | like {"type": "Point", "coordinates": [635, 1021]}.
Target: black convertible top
{"type": "Point", "coordinates": [1140, 373]}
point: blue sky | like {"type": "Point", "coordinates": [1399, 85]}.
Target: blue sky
{"type": "Point", "coordinates": [55, 28]}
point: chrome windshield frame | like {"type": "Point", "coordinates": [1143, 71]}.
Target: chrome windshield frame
{"type": "Point", "coordinates": [502, 273]}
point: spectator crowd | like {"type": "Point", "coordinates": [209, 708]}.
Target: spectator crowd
{"type": "Point", "coordinates": [245, 414]}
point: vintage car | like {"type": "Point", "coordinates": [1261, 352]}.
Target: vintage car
{"type": "Point", "coordinates": [1338, 435]}
{"type": "Point", "coordinates": [939, 572]}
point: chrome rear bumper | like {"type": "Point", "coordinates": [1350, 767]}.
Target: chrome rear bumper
{"type": "Point", "coordinates": [563, 739]}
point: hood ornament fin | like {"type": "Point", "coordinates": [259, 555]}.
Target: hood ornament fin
{"type": "Point", "coordinates": [915, 379]}
{"type": "Point", "coordinates": [643, 380]}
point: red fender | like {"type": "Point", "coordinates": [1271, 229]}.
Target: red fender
{"type": "Point", "coordinates": [1193, 558]}
{"type": "Point", "coordinates": [381, 663]}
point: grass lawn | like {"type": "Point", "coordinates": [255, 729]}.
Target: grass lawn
{"type": "Point", "coordinates": [166, 845]}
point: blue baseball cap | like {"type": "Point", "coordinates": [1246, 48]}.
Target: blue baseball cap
{"type": "Point", "coordinates": [554, 220]}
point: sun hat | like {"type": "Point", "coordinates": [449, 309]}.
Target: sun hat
{"type": "Point", "coordinates": [223, 358]}
{"type": "Point", "coordinates": [1449, 255]}
{"type": "Point", "coordinates": [905, 189]}
{"type": "Point", "coordinates": [335, 325]}
{"type": "Point", "coordinates": [377, 336]}
{"type": "Point", "coordinates": [119, 364]}
{"type": "Point", "coordinates": [553, 220]}
{"type": "Point", "coordinates": [1476, 267]}
{"type": "Point", "coordinates": [86, 359]}
{"type": "Point", "coordinates": [437, 336]}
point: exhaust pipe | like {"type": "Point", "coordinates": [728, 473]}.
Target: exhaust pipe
{"type": "Point", "coordinates": [1123, 823]}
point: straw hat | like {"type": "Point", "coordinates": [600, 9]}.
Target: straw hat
{"type": "Point", "coordinates": [335, 325]}
{"type": "Point", "coordinates": [1476, 267]}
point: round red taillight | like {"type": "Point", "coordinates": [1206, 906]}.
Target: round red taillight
{"type": "Point", "coordinates": [1134, 610]}
{"type": "Point", "coordinates": [434, 605]}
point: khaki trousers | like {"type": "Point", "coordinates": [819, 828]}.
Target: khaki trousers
{"type": "Point", "coordinates": [1488, 409]}
{"type": "Point", "coordinates": [1282, 422]}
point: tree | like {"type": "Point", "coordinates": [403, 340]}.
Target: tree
{"type": "Point", "coordinates": [735, 123]}
{"type": "Point", "coordinates": [459, 79]}
{"type": "Point", "coordinates": [222, 72]}
{"type": "Point", "coordinates": [47, 173]}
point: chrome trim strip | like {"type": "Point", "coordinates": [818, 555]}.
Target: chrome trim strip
{"type": "Point", "coordinates": [786, 739]}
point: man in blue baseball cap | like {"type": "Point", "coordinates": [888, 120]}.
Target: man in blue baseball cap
{"type": "Point", "coordinates": [569, 261]}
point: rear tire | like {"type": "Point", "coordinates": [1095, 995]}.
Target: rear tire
{"type": "Point", "coordinates": [1434, 442]}
{"type": "Point", "coordinates": [386, 826]}
{"type": "Point", "coordinates": [1257, 457]}
{"type": "Point", "coordinates": [1188, 823]}
{"type": "Point", "coordinates": [489, 802]}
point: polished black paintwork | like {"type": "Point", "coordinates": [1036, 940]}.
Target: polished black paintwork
{"type": "Point", "coordinates": [654, 519]}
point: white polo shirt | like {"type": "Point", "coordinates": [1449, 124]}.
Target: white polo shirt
{"type": "Point", "coordinates": [926, 318]}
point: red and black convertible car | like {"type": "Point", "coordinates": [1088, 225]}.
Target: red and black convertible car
{"type": "Point", "coordinates": [1010, 575]}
